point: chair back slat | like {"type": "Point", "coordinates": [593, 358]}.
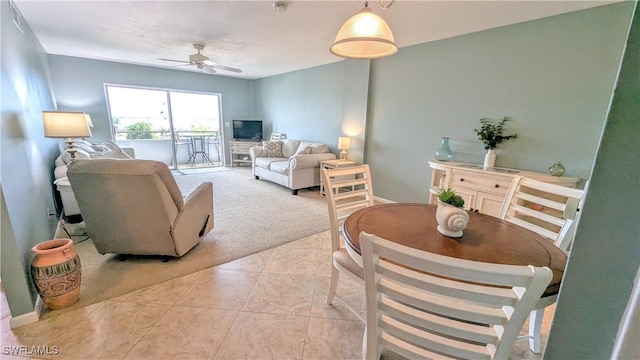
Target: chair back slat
{"type": "Point", "coordinates": [445, 326]}
{"type": "Point", "coordinates": [526, 211]}
{"type": "Point", "coordinates": [469, 291]}
{"type": "Point", "coordinates": [549, 234]}
{"type": "Point", "coordinates": [420, 303]}
{"type": "Point", "coordinates": [429, 340]}
{"type": "Point", "coordinates": [356, 193]}
{"type": "Point", "coordinates": [426, 300]}
{"type": "Point", "coordinates": [501, 275]}
{"type": "Point", "coordinates": [540, 200]}
{"type": "Point", "coordinates": [347, 183]}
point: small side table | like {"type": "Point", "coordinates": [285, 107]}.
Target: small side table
{"type": "Point", "coordinates": [333, 164]}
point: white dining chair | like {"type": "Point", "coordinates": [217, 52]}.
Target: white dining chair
{"type": "Point", "coordinates": [215, 141]}
{"type": "Point", "coordinates": [347, 190]}
{"type": "Point", "coordinates": [277, 137]}
{"type": "Point", "coordinates": [550, 210]}
{"type": "Point", "coordinates": [425, 305]}
{"type": "Point", "coordinates": [178, 141]}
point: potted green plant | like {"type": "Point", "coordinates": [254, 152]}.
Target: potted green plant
{"type": "Point", "coordinates": [491, 134]}
{"type": "Point", "coordinates": [452, 218]}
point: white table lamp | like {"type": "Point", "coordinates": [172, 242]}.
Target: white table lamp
{"type": "Point", "coordinates": [344, 144]}
{"type": "Point", "coordinates": [66, 125]}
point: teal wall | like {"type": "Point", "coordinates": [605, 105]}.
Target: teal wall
{"type": "Point", "coordinates": [605, 257]}
{"type": "Point", "coordinates": [26, 159]}
{"type": "Point", "coordinates": [78, 84]}
{"type": "Point", "coordinates": [318, 104]}
{"type": "Point", "coordinates": [305, 104]}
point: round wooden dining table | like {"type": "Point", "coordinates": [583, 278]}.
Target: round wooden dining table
{"type": "Point", "coordinates": [485, 239]}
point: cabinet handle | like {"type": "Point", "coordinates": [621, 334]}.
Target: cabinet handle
{"type": "Point", "coordinates": [496, 186]}
{"type": "Point", "coordinates": [461, 179]}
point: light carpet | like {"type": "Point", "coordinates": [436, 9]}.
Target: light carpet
{"type": "Point", "coordinates": [249, 216]}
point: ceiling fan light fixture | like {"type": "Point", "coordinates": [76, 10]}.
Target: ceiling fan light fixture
{"type": "Point", "coordinates": [280, 6]}
{"type": "Point", "coordinates": [364, 36]}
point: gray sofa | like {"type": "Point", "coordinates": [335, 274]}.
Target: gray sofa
{"type": "Point", "coordinates": [291, 163]}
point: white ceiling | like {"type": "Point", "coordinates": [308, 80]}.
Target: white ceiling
{"type": "Point", "coordinates": [250, 35]}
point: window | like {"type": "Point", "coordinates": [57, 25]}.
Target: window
{"type": "Point", "coordinates": [138, 114]}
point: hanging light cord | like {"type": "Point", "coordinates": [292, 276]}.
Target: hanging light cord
{"type": "Point", "coordinates": [366, 4]}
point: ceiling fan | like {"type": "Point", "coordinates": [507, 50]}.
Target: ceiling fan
{"type": "Point", "coordinates": [202, 62]}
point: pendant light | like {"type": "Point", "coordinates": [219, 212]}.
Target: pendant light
{"type": "Point", "coordinates": [365, 36]}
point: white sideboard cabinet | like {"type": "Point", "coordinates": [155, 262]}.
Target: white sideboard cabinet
{"type": "Point", "coordinates": [483, 190]}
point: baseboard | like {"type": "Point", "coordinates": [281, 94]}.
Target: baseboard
{"type": "Point", "coordinates": [28, 318]}
{"type": "Point", "coordinates": [382, 200]}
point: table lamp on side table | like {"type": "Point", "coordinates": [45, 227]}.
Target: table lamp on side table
{"type": "Point", "coordinates": [66, 125]}
{"type": "Point", "coordinates": [344, 144]}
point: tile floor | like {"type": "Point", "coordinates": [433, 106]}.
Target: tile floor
{"type": "Point", "coordinates": [270, 305]}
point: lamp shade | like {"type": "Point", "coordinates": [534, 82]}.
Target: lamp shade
{"type": "Point", "coordinates": [344, 143]}
{"type": "Point", "coordinates": [59, 124]}
{"type": "Point", "coordinates": [89, 120]}
{"type": "Point", "coordinates": [364, 36]}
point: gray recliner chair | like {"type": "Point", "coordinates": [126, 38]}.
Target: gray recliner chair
{"type": "Point", "coordinates": [135, 207]}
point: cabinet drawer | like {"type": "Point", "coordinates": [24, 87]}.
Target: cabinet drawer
{"type": "Point", "coordinates": [471, 181]}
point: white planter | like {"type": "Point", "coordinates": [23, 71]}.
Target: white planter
{"type": "Point", "coordinates": [451, 220]}
{"type": "Point", "coordinates": [490, 158]}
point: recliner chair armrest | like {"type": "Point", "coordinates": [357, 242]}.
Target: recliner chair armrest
{"type": "Point", "coordinates": [305, 161]}
{"type": "Point", "coordinates": [195, 220]}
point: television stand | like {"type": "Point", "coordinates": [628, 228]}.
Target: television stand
{"type": "Point", "coordinates": [240, 151]}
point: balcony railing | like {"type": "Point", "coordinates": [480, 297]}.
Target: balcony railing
{"type": "Point", "coordinates": [193, 148]}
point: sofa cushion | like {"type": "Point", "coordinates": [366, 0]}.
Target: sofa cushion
{"type": "Point", "coordinates": [280, 167]}
{"type": "Point", "coordinates": [265, 162]}
{"type": "Point", "coordinates": [272, 148]}
{"type": "Point", "coordinates": [318, 148]}
{"type": "Point", "coordinates": [289, 147]}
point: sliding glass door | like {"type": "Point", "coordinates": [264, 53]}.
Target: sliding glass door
{"type": "Point", "coordinates": [179, 128]}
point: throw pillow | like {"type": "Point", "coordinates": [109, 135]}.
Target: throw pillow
{"type": "Point", "coordinates": [84, 146]}
{"type": "Point", "coordinates": [319, 148]}
{"type": "Point", "coordinates": [303, 150]}
{"type": "Point", "coordinates": [272, 148]}
{"type": "Point", "coordinates": [289, 147]}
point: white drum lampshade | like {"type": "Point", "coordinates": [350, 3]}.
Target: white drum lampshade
{"type": "Point", "coordinates": [66, 125]}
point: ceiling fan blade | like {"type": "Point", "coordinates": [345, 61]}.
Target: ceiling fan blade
{"type": "Point", "coordinates": [227, 68]}
{"type": "Point", "coordinates": [222, 67]}
{"type": "Point", "coordinates": [180, 61]}
{"type": "Point", "coordinates": [209, 69]}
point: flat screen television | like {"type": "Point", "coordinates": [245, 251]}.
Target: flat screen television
{"type": "Point", "coordinates": [247, 130]}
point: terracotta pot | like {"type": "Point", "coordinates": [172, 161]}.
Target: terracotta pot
{"type": "Point", "coordinates": [451, 220]}
{"type": "Point", "coordinates": [56, 272]}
